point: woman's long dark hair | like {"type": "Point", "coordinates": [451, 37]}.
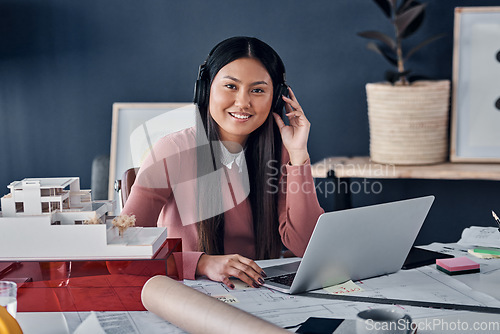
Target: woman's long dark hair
{"type": "Point", "coordinates": [262, 153]}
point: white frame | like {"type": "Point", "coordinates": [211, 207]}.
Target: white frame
{"type": "Point", "coordinates": [127, 117]}
{"type": "Point", "coordinates": [475, 138]}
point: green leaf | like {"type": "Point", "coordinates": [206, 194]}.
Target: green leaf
{"type": "Point", "coordinates": [380, 37]}
{"type": "Point", "coordinates": [403, 20]}
{"type": "Point", "coordinates": [385, 6]}
{"type": "Point", "coordinates": [424, 43]}
{"type": "Point", "coordinates": [384, 53]}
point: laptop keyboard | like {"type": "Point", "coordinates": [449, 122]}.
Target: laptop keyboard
{"type": "Point", "coordinates": [283, 279]}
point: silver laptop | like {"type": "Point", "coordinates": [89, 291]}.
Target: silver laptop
{"type": "Point", "coordinates": [353, 244]}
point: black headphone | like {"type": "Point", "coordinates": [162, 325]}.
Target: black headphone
{"type": "Point", "coordinates": [202, 86]}
{"type": "Point", "coordinates": [278, 102]}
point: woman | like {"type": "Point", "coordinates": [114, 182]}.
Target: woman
{"type": "Point", "coordinates": [240, 93]}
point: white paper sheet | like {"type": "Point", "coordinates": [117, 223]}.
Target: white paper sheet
{"type": "Point", "coordinates": [480, 236]}
{"type": "Point", "coordinates": [422, 284]}
{"type": "Point", "coordinates": [108, 323]}
{"type": "Point", "coordinates": [42, 323]}
{"type": "Point", "coordinates": [425, 284]}
{"type": "Point", "coordinates": [90, 325]}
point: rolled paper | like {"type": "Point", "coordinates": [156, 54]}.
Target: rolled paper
{"type": "Point", "coordinates": [196, 312]}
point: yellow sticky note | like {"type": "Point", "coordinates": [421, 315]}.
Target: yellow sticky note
{"type": "Point", "coordinates": [240, 285]}
{"type": "Point", "coordinates": [483, 255]}
{"type": "Point", "coordinates": [344, 288]}
{"type": "Point", "coordinates": [227, 299]}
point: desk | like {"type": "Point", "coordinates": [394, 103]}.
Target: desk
{"type": "Point", "coordinates": [285, 310]}
{"type": "Point", "coordinates": [84, 285]}
{"type": "Point", "coordinates": [345, 168]}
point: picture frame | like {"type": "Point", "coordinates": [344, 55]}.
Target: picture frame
{"type": "Point", "coordinates": [135, 129]}
{"type": "Point", "coordinates": [475, 119]}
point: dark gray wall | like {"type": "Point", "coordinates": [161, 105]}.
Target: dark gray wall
{"type": "Point", "coordinates": [63, 63]}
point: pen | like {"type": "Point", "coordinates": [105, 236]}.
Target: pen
{"type": "Point", "coordinates": [496, 219]}
{"type": "Point", "coordinates": [461, 250]}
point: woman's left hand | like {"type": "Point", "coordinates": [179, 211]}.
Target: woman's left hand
{"type": "Point", "coordinates": [295, 135]}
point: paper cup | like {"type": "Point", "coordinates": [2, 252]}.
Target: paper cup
{"type": "Point", "coordinates": [383, 321]}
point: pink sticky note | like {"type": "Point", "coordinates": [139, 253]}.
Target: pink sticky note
{"type": "Point", "coordinates": [457, 264]}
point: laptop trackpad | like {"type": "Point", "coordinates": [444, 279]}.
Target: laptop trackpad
{"type": "Point", "coordinates": [282, 269]}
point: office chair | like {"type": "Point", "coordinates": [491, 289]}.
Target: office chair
{"type": "Point", "coordinates": [124, 186]}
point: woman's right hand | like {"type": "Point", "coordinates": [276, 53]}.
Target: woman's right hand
{"type": "Point", "coordinates": [220, 267]}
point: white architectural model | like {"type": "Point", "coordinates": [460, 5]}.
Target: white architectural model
{"type": "Point", "coordinates": [52, 219]}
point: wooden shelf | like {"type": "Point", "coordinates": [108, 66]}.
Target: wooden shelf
{"type": "Point", "coordinates": [362, 167]}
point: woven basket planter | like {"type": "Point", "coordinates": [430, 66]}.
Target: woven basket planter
{"type": "Point", "coordinates": [409, 124]}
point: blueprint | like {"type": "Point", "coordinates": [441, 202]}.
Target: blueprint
{"type": "Point", "coordinates": [422, 284]}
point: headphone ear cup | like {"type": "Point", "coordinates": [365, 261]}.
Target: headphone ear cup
{"type": "Point", "coordinates": [200, 93]}
{"type": "Point", "coordinates": [279, 103]}
{"type": "Point", "coordinates": [196, 93]}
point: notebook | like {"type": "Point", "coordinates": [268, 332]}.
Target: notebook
{"type": "Point", "coordinates": [353, 244]}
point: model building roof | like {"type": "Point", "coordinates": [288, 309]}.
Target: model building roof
{"type": "Point", "coordinates": [45, 183]}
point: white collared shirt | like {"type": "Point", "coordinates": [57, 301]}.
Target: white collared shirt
{"type": "Point", "coordinates": [228, 158]}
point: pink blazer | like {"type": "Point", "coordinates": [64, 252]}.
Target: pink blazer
{"type": "Point", "coordinates": [156, 200]}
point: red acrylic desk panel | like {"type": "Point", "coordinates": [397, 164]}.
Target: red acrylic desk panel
{"type": "Point", "coordinates": [94, 285]}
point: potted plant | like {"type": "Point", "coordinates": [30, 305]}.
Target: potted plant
{"type": "Point", "coordinates": [408, 119]}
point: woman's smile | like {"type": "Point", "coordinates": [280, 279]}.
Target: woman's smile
{"type": "Point", "coordinates": [240, 116]}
